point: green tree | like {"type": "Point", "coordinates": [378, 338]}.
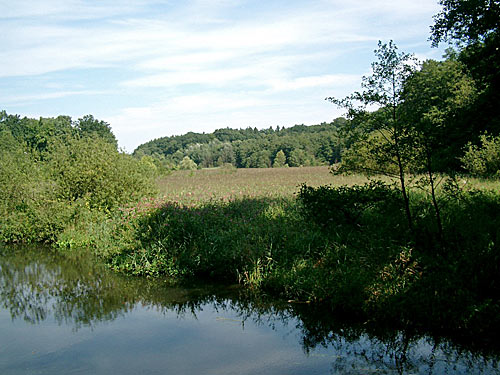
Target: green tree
{"type": "Point", "coordinates": [187, 164]}
{"type": "Point", "coordinates": [259, 159]}
{"type": "Point", "coordinates": [17, 171]}
{"type": "Point", "coordinates": [466, 21]}
{"type": "Point", "coordinates": [475, 27]}
{"type": "Point", "coordinates": [93, 170]}
{"type": "Point", "coordinates": [226, 154]}
{"type": "Point", "coordinates": [483, 160]}
{"type": "Point", "coordinates": [88, 126]}
{"type": "Point", "coordinates": [279, 160]}
{"type": "Point", "coordinates": [434, 99]}
{"type": "Point", "coordinates": [297, 157]}
{"type": "Point", "coordinates": [251, 148]}
{"type": "Point", "coordinates": [177, 156]}
{"type": "Point", "coordinates": [384, 89]}
{"type": "Point", "coordinates": [36, 134]}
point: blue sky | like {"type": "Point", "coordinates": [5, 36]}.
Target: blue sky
{"type": "Point", "coordinates": [153, 68]}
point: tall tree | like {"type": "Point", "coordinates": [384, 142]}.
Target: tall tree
{"type": "Point", "coordinates": [466, 21]}
{"type": "Point", "coordinates": [384, 89]}
{"type": "Point", "coordinates": [434, 99]}
{"type": "Point", "coordinates": [474, 25]}
{"type": "Point", "coordinates": [88, 125]}
{"type": "Point", "coordinates": [279, 159]}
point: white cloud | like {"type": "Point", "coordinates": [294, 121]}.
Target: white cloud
{"type": "Point", "coordinates": [188, 59]}
{"type": "Point", "coordinates": [199, 64]}
{"type": "Point", "coordinates": [330, 80]}
{"type": "Point", "coordinates": [209, 77]}
{"type": "Point", "coordinates": [45, 47]}
{"type": "Point", "coordinates": [207, 111]}
{"type": "Point", "coordinates": [47, 95]}
{"type": "Point", "coordinates": [68, 9]}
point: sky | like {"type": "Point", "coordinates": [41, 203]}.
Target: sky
{"type": "Point", "coordinates": [155, 68]}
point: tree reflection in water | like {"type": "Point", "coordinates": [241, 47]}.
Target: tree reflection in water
{"type": "Point", "coordinates": [37, 284]}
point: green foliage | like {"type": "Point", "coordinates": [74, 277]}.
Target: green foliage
{"type": "Point", "coordinates": [251, 148]}
{"type": "Point", "coordinates": [187, 164]}
{"type": "Point", "coordinates": [370, 156]}
{"type": "Point", "coordinates": [331, 206]}
{"type": "Point", "coordinates": [50, 175]}
{"type": "Point", "coordinates": [435, 99]}
{"type": "Point", "coordinates": [474, 26]}
{"type": "Point", "coordinates": [466, 21]}
{"type": "Point", "coordinates": [300, 158]}
{"type": "Point", "coordinates": [36, 134]}
{"type": "Point", "coordinates": [230, 241]}
{"type": "Point", "coordinates": [279, 160]}
{"type": "Point", "coordinates": [29, 210]}
{"type": "Point", "coordinates": [483, 160]}
{"type": "Point", "coordinates": [384, 88]}
{"type": "Point", "coordinates": [458, 283]}
{"type": "Point", "coordinates": [91, 169]}
{"type": "Point", "coordinates": [443, 285]}
{"type": "Point", "coordinates": [89, 126]}
{"type": "Point", "coordinates": [258, 159]}
{"type": "Point", "coordinates": [343, 246]}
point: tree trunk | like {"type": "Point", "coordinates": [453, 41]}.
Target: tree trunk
{"type": "Point", "coordinates": [433, 193]}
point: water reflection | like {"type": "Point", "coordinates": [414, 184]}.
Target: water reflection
{"type": "Point", "coordinates": [151, 326]}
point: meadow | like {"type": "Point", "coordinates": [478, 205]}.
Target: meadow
{"type": "Point", "coordinates": [193, 187]}
{"type": "Point", "coordinates": [225, 184]}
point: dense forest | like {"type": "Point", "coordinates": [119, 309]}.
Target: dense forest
{"type": "Point", "coordinates": [297, 146]}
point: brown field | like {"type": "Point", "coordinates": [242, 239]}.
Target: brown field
{"type": "Point", "coordinates": [189, 187]}
{"type": "Point", "coordinates": [227, 184]}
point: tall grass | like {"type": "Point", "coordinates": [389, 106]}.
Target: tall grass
{"type": "Point", "coordinates": [349, 248]}
{"type": "Point", "coordinates": [230, 183]}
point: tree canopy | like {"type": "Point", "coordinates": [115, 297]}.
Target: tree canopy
{"type": "Point", "coordinates": [474, 25]}
{"type": "Point", "coordinates": [466, 21]}
{"type": "Point", "coordinates": [251, 148]}
{"type": "Point", "coordinates": [88, 125]}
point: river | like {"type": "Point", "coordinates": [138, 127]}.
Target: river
{"type": "Point", "coordinates": [69, 315]}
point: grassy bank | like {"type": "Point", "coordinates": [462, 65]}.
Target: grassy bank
{"type": "Point", "coordinates": [353, 253]}
{"type": "Point", "coordinates": [350, 249]}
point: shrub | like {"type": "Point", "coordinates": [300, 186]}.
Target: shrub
{"type": "Point", "coordinates": [279, 160]}
{"type": "Point", "coordinates": [45, 193]}
{"type": "Point", "coordinates": [336, 205]}
{"type": "Point", "coordinates": [187, 164]}
{"type": "Point", "coordinates": [483, 160]}
{"type": "Point", "coordinates": [94, 171]}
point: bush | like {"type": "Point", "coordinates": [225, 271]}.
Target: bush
{"type": "Point", "coordinates": [92, 170]}
{"type": "Point", "coordinates": [338, 205]}
{"type": "Point", "coordinates": [187, 164]}
{"type": "Point", "coordinates": [240, 239]}
{"type": "Point", "coordinates": [45, 193]}
{"type": "Point", "coordinates": [483, 160]}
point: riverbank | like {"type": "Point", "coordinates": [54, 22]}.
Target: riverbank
{"type": "Point", "coordinates": [360, 260]}
{"type": "Point", "coordinates": [347, 249]}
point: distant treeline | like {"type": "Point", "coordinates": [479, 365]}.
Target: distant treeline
{"type": "Point", "coordinates": [296, 146]}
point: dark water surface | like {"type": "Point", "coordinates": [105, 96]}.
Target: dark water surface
{"type": "Point", "coordinates": [61, 315]}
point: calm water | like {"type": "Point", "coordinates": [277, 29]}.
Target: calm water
{"type": "Point", "coordinates": [62, 316]}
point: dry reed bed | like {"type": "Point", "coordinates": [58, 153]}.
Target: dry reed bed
{"type": "Point", "coordinates": [190, 187]}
